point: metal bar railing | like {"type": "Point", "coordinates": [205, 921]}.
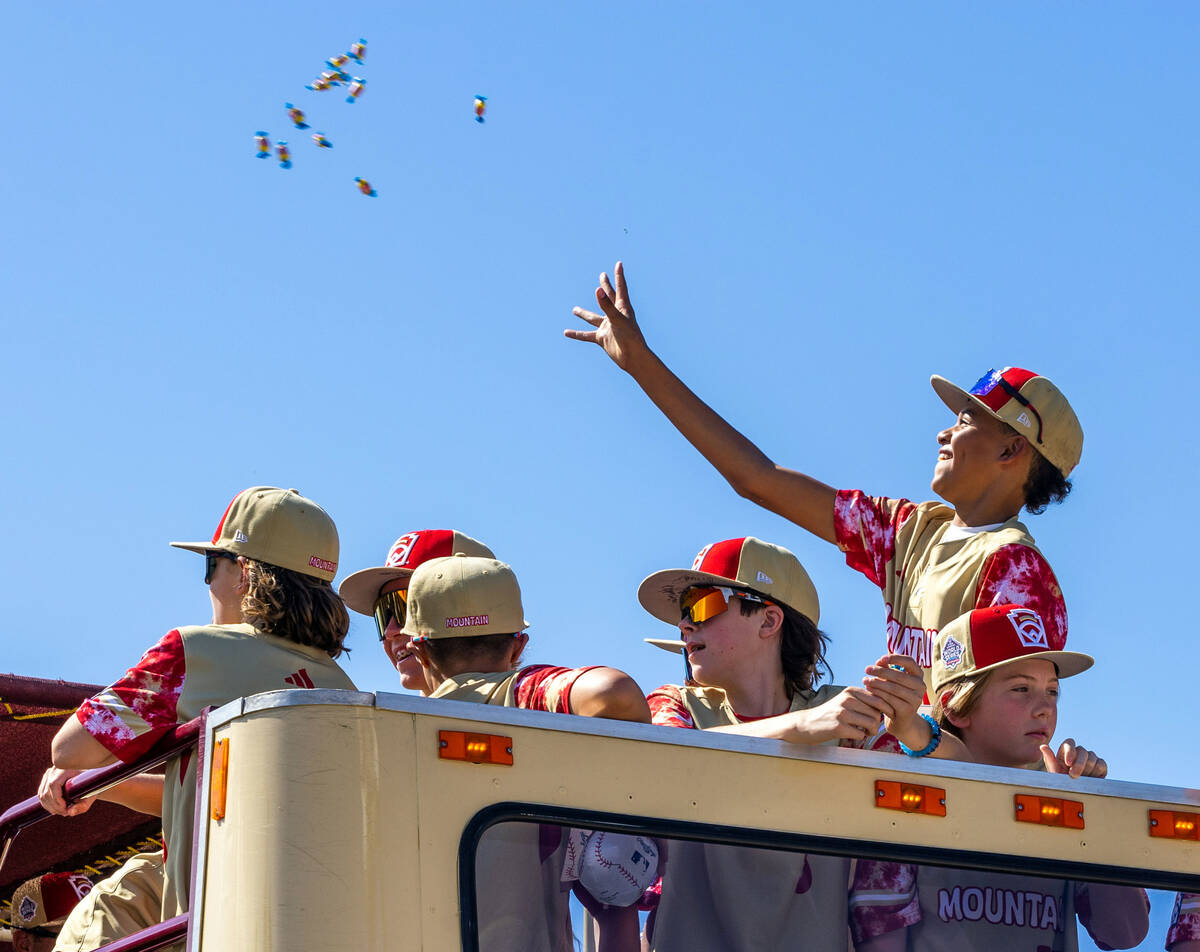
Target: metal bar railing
{"type": "Point", "coordinates": [155, 937]}
{"type": "Point", "coordinates": [90, 782]}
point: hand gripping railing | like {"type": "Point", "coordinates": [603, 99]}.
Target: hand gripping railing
{"type": "Point", "coordinates": [91, 782]}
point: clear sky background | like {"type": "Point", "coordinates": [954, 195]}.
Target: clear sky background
{"type": "Point", "coordinates": [818, 207]}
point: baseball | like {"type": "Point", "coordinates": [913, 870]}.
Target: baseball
{"type": "Point", "coordinates": [617, 867]}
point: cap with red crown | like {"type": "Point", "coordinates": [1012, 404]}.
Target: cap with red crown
{"type": "Point", "coordinates": [746, 563]}
{"type": "Point", "coordinates": [987, 638]}
{"type": "Point", "coordinates": [361, 590]}
{"type": "Point", "coordinates": [1027, 402]}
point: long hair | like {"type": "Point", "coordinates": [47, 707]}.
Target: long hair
{"type": "Point", "coordinates": [296, 607]}
{"type": "Point", "coordinates": [802, 647]}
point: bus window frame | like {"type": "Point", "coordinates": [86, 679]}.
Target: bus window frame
{"type": "Point", "coordinates": [724, 835]}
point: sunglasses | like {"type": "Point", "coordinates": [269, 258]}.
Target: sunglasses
{"type": "Point", "coordinates": [393, 605]}
{"type": "Point", "coordinates": [700, 604]}
{"type": "Point", "coordinates": [211, 558]}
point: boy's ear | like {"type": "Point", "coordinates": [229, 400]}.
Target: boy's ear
{"type": "Point", "coordinates": [770, 621]}
{"type": "Point", "coordinates": [518, 648]}
{"type": "Point", "coordinates": [422, 654]}
{"type": "Point", "coordinates": [1014, 447]}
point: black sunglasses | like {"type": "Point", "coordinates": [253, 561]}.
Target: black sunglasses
{"type": "Point", "coordinates": [211, 558]}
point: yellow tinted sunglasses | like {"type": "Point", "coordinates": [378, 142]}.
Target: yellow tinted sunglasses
{"type": "Point", "coordinates": [389, 606]}
{"type": "Point", "coordinates": [702, 603]}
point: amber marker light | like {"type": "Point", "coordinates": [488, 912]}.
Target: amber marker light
{"type": "Point", "coordinates": [1175, 826]}
{"type": "Point", "coordinates": [219, 781]}
{"type": "Point", "coordinates": [475, 748]}
{"type": "Point", "coordinates": [910, 797]}
{"type": "Point", "coordinates": [1048, 811]}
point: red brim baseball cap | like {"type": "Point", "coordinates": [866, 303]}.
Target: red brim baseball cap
{"type": "Point", "coordinates": [361, 590]}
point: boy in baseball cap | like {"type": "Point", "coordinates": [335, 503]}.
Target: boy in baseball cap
{"type": "Point", "coordinates": [1013, 444]}
{"type": "Point", "coordinates": [747, 613]}
{"type": "Point", "coordinates": [39, 907]}
{"type": "Point", "coordinates": [467, 626]}
{"type": "Point", "coordinates": [277, 624]}
{"type": "Point", "coordinates": [382, 591]}
{"type": "Point", "coordinates": [996, 686]}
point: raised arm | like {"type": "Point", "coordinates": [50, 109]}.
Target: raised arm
{"type": "Point", "coordinates": [802, 499]}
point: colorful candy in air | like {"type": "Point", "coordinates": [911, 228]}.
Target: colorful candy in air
{"type": "Point", "coordinates": [263, 143]}
{"type": "Point", "coordinates": [358, 51]}
{"type": "Point", "coordinates": [319, 84]}
{"type": "Point", "coordinates": [356, 89]}
{"type": "Point", "coordinates": [365, 187]}
{"type": "Point", "coordinates": [321, 141]}
{"type": "Point", "coordinates": [284, 153]}
{"type": "Point", "coordinates": [480, 107]}
{"type": "Point", "coordinates": [296, 115]}
{"type": "Point", "coordinates": [337, 62]}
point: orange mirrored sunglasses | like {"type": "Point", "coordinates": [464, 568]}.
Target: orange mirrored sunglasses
{"type": "Point", "coordinates": [704, 602]}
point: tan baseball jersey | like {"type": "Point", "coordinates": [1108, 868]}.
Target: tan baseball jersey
{"type": "Point", "coordinates": [930, 572]}
{"type": "Point", "coordinates": [735, 898]}
{"type": "Point", "coordinates": [126, 902]}
{"type": "Point", "coordinates": [522, 904]}
{"type": "Point", "coordinates": [188, 670]}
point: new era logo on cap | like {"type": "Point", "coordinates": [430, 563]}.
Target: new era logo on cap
{"type": "Point", "coordinates": [1029, 628]}
{"type": "Point", "coordinates": [764, 577]}
{"type": "Point", "coordinates": [240, 536]}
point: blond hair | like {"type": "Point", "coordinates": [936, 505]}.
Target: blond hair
{"type": "Point", "coordinates": [959, 701]}
{"type": "Point", "coordinates": [297, 607]}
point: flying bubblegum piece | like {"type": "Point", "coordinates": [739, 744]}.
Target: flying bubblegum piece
{"type": "Point", "coordinates": [358, 51]}
{"type": "Point", "coordinates": [263, 143]}
{"type": "Point", "coordinates": [337, 77]}
{"type": "Point", "coordinates": [321, 141]}
{"type": "Point", "coordinates": [319, 84]}
{"type": "Point", "coordinates": [365, 187]}
{"type": "Point", "coordinates": [296, 115]}
{"type": "Point", "coordinates": [480, 107]}
{"type": "Point", "coordinates": [284, 153]}
{"type": "Point", "coordinates": [356, 89]}
{"type": "Point", "coordinates": [337, 62]}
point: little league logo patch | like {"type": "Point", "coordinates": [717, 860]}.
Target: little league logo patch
{"type": "Point", "coordinates": [28, 909]}
{"type": "Point", "coordinates": [1028, 625]}
{"type": "Point", "coordinates": [401, 549]}
{"type": "Point", "coordinates": [952, 654]}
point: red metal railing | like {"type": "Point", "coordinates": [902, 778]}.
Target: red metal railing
{"type": "Point", "coordinates": [90, 782]}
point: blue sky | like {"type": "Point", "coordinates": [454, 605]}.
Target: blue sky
{"type": "Point", "coordinates": [817, 206]}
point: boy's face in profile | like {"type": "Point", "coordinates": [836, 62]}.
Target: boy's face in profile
{"type": "Point", "coordinates": [970, 452]}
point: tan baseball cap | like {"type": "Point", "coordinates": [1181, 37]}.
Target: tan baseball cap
{"type": "Point", "coordinates": [45, 901]}
{"type": "Point", "coordinates": [989, 638]}
{"type": "Point", "coordinates": [1030, 404]}
{"type": "Point", "coordinates": [749, 563]}
{"type": "Point", "coordinates": [361, 590]}
{"type": "Point", "coordinates": [462, 596]}
{"type": "Point", "coordinates": [279, 527]}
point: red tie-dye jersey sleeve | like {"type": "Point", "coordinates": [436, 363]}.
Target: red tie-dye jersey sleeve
{"type": "Point", "coordinates": [866, 529]}
{"type": "Point", "coordinates": [667, 708]}
{"type": "Point", "coordinates": [883, 898]}
{"type": "Point", "coordinates": [1185, 920]}
{"type": "Point", "coordinates": [1018, 575]}
{"type": "Point", "coordinates": [543, 687]}
{"type": "Point", "coordinates": [130, 715]}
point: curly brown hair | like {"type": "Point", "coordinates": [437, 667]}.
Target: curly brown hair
{"type": "Point", "coordinates": [296, 607]}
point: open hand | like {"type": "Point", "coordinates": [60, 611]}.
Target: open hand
{"type": "Point", "coordinates": [616, 329]}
